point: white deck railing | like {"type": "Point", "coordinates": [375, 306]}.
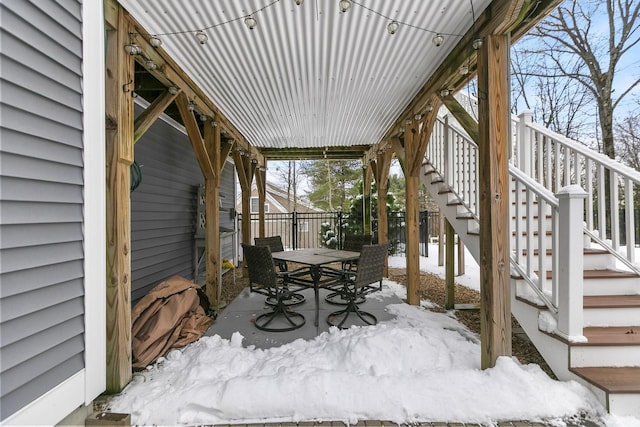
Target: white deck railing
{"type": "Point", "coordinates": [555, 161]}
{"type": "Point", "coordinates": [548, 210]}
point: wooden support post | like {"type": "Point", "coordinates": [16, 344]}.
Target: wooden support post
{"type": "Point", "coordinates": [213, 270]}
{"type": "Point", "coordinates": [449, 302]}
{"type": "Point", "coordinates": [412, 181]}
{"type": "Point", "coordinates": [261, 185]}
{"type": "Point", "coordinates": [245, 169]}
{"type": "Point", "coordinates": [493, 148]}
{"type": "Point", "coordinates": [119, 148]}
{"type": "Point", "coordinates": [460, 271]}
{"type": "Point", "coordinates": [441, 234]}
{"type": "Point", "coordinates": [366, 199]}
{"type": "Point", "coordinates": [380, 169]}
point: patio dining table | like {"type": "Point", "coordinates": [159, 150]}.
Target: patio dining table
{"type": "Point", "coordinates": [316, 259]}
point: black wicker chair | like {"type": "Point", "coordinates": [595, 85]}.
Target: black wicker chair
{"type": "Point", "coordinates": [354, 243]}
{"type": "Point", "coordinates": [275, 244]}
{"type": "Point", "coordinates": [370, 269]}
{"type": "Point", "coordinates": [262, 274]}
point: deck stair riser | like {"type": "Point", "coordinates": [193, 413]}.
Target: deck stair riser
{"type": "Point", "coordinates": [593, 260]}
{"type": "Point", "coordinates": [609, 362]}
{"type": "Point", "coordinates": [611, 310]}
{"type": "Point", "coordinates": [605, 355]}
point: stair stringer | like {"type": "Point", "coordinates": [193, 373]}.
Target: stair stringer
{"type": "Point", "coordinates": [464, 227]}
{"type": "Point", "coordinates": [555, 351]}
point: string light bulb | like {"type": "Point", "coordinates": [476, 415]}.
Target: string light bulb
{"type": "Point", "coordinates": [477, 43]}
{"type": "Point", "coordinates": [204, 117]}
{"type": "Point", "coordinates": [151, 65]}
{"type": "Point", "coordinates": [250, 22]}
{"type": "Point", "coordinates": [444, 93]}
{"type": "Point", "coordinates": [392, 27]}
{"type": "Point", "coordinates": [191, 106]}
{"type": "Point", "coordinates": [344, 5]}
{"type": "Point", "coordinates": [299, 2]}
{"type": "Point", "coordinates": [132, 49]}
{"type": "Point", "coordinates": [418, 117]}
{"type": "Point", "coordinates": [173, 90]}
{"type": "Point", "coordinates": [155, 41]}
{"type": "Point", "coordinates": [464, 69]}
{"type": "Point", "coordinates": [429, 108]}
{"type": "Point", "coordinates": [438, 40]}
{"type": "Point", "coordinates": [201, 37]}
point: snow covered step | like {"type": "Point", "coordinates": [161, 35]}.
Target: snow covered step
{"type": "Point", "coordinates": [611, 310]}
{"type": "Point", "coordinates": [607, 346]}
{"type": "Point", "coordinates": [618, 388]}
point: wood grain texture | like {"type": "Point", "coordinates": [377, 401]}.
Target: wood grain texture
{"type": "Point", "coordinates": [449, 301]}
{"type": "Point", "coordinates": [195, 137]}
{"type": "Point", "coordinates": [119, 155]}
{"type": "Point", "coordinates": [213, 272]}
{"type": "Point", "coordinates": [493, 150]}
{"type": "Point", "coordinates": [151, 114]}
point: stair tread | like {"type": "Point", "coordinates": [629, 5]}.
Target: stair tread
{"type": "Point", "coordinates": [604, 274]}
{"type": "Point", "coordinates": [610, 335]}
{"type": "Point", "coordinates": [611, 301]}
{"type": "Point", "coordinates": [612, 379]}
{"type": "Point", "coordinates": [587, 251]}
{"type": "Point", "coordinates": [595, 274]}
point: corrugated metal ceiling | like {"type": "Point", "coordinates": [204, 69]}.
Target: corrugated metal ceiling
{"type": "Point", "coordinates": [308, 75]}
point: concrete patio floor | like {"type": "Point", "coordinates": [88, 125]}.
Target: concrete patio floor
{"type": "Point", "coordinates": [240, 314]}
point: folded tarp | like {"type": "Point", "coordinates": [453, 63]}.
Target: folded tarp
{"type": "Point", "coordinates": [169, 316]}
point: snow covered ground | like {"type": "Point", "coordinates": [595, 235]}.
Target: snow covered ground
{"type": "Point", "coordinates": [421, 366]}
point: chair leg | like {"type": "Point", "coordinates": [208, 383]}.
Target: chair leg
{"type": "Point", "coordinates": [296, 320]}
{"type": "Point", "coordinates": [352, 307]}
{"type": "Point", "coordinates": [341, 297]}
{"type": "Point", "coordinates": [294, 298]}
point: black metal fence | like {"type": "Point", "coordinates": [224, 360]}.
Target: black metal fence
{"type": "Point", "coordinates": [327, 229]}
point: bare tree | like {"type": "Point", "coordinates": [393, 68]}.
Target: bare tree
{"type": "Point", "coordinates": [627, 133]}
{"type": "Point", "coordinates": [585, 43]}
{"type": "Point", "coordinates": [556, 102]}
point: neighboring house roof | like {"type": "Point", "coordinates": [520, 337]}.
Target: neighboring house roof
{"type": "Point", "coordinates": [277, 198]}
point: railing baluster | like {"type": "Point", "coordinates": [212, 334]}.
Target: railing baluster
{"type": "Point", "coordinates": [542, 246]}
{"type": "Point", "coordinates": [629, 220]}
{"type": "Point", "coordinates": [602, 215]}
{"type": "Point", "coordinates": [615, 211]}
{"type": "Point", "coordinates": [588, 186]}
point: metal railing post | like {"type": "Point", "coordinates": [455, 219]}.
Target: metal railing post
{"type": "Point", "coordinates": [570, 269]}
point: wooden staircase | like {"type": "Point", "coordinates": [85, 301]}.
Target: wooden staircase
{"type": "Point", "coordinates": [608, 362]}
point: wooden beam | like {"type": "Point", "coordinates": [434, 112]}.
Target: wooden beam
{"type": "Point", "coordinates": [468, 123]}
{"type": "Point", "coordinates": [225, 149]}
{"type": "Point", "coordinates": [193, 132]}
{"type": "Point", "coordinates": [311, 153]}
{"type": "Point", "coordinates": [417, 155]}
{"type": "Point", "coordinates": [493, 174]}
{"type": "Point", "coordinates": [119, 153]}
{"type": "Point", "coordinates": [144, 121]}
{"type": "Point", "coordinates": [498, 17]}
{"type": "Point", "coordinates": [213, 270]}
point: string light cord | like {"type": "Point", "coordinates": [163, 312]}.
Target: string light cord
{"type": "Point", "coordinates": [259, 10]}
{"type": "Point", "coordinates": [220, 24]}
{"type": "Point", "coordinates": [406, 24]}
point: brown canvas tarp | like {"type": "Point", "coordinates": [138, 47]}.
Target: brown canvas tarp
{"type": "Point", "coordinates": [169, 316]}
